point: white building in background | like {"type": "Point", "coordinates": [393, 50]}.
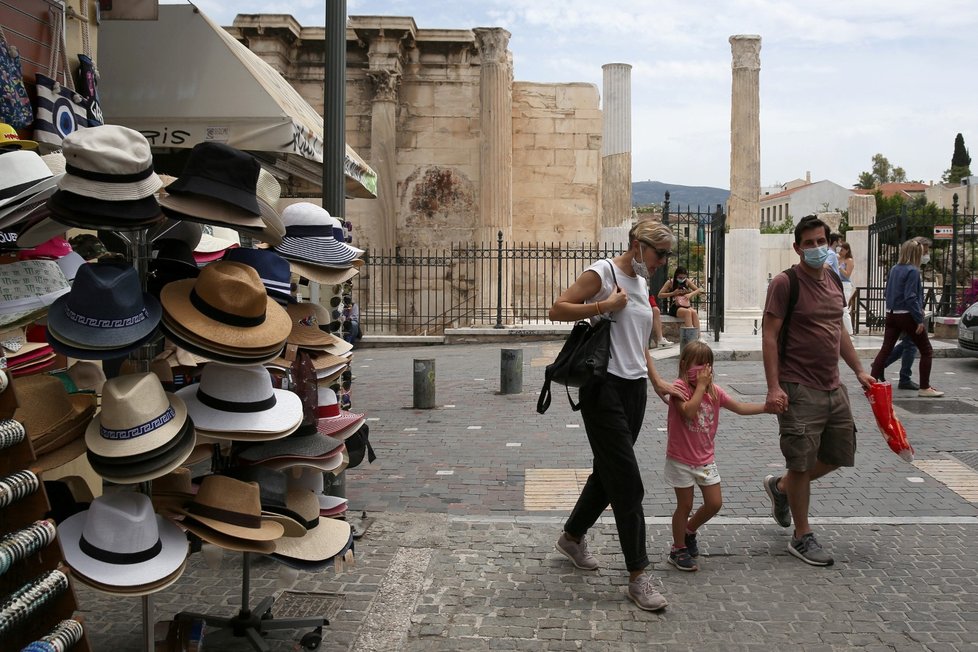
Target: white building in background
{"type": "Point", "coordinates": [802, 198]}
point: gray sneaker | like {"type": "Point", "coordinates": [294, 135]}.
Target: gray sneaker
{"type": "Point", "coordinates": [779, 501]}
{"type": "Point", "coordinates": [642, 593]}
{"type": "Point", "coordinates": [809, 551]}
{"type": "Point", "coordinates": [578, 553]}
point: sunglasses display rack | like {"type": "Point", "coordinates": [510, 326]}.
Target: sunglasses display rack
{"type": "Point", "coordinates": [32, 566]}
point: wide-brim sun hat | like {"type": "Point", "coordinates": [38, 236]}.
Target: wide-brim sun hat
{"type": "Point", "coordinates": [329, 463]}
{"type": "Point", "coordinates": [120, 541]}
{"type": "Point", "coordinates": [322, 274]}
{"type": "Point", "coordinates": [136, 416]}
{"type": "Point", "coordinates": [240, 398]}
{"type": "Point", "coordinates": [228, 304]}
{"type": "Point", "coordinates": [327, 539]}
{"type": "Point", "coordinates": [310, 445]}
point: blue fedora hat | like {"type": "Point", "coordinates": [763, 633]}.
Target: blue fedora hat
{"type": "Point", "coordinates": [105, 309]}
{"type": "Point", "coordinates": [273, 270]}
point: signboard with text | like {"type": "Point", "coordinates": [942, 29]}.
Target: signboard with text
{"type": "Point", "coordinates": [943, 232]}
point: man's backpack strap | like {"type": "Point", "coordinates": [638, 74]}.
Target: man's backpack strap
{"type": "Point", "coordinates": [793, 301]}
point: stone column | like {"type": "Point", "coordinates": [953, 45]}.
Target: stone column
{"type": "Point", "coordinates": [744, 282]}
{"type": "Point", "coordinates": [616, 155]}
{"type": "Point", "coordinates": [862, 213]}
{"type": "Point", "coordinates": [496, 123]}
{"type": "Point", "coordinates": [383, 134]}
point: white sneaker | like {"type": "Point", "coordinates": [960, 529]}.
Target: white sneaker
{"type": "Point", "coordinates": [665, 343]}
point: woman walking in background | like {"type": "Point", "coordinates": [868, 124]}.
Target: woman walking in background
{"type": "Point", "coordinates": [905, 314]}
{"type": "Point", "coordinates": [613, 408]}
{"type": "Point", "coordinates": [847, 265]}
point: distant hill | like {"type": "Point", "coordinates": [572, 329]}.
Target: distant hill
{"type": "Point", "coordinates": [653, 192]}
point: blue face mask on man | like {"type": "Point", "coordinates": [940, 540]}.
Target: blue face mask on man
{"type": "Point", "coordinates": [816, 256]}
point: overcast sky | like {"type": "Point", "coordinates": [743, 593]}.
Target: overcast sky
{"type": "Point", "coordinates": [840, 80]}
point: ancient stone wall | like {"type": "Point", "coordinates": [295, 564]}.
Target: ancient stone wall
{"type": "Point", "coordinates": [556, 162]}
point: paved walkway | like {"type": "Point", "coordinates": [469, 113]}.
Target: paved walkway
{"type": "Point", "coordinates": [466, 500]}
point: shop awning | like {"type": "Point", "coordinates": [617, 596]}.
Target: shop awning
{"type": "Point", "coordinates": [183, 80]}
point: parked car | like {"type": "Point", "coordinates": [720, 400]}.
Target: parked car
{"type": "Point", "coordinates": [968, 330]}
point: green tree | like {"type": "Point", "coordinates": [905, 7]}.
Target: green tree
{"type": "Point", "coordinates": [866, 181]}
{"type": "Point", "coordinates": [882, 172]}
{"type": "Point", "coordinates": [960, 162]}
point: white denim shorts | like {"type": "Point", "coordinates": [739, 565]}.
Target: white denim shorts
{"type": "Point", "coordinates": [682, 475]}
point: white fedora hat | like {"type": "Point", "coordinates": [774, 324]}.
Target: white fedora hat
{"type": "Point", "coordinates": [233, 398]}
{"type": "Point", "coordinates": [120, 541]}
{"type": "Point", "coordinates": [24, 178]}
{"type": "Point", "coordinates": [109, 163]}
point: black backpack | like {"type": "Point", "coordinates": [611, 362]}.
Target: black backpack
{"type": "Point", "coordinates": [793, 300]}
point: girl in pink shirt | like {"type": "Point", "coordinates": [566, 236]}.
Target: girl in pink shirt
{"type": "Point", "coordinates": [692, 428]}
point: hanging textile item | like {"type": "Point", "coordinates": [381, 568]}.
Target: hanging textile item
{"type": "Point", "coordinates": [60, 110]}
{"type": "Point", "coordinates": [15, 106]}
{"type": "Point", "coordinates": [88, 73]}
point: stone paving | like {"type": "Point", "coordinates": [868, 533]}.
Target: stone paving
{"type": "Point", "coordinates": [452, 560]}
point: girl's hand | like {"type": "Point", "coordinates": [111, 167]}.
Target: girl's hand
{"type": "Point", "coordinates": [920, 329]}
{"type": "Point", "coordinates": [704, 376]}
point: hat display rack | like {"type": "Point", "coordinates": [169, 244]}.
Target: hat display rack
{"type": "Point", "coordinates": [194, 312]}
{"type": "Point", "coordinates": [38, 606]}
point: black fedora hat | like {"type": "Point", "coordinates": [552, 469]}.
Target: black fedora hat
{"type": "Point", "coordinates": [218, 171]}
{"type": "Point", "coordinates": [174, 262]}
{"type": "Point", "coordinates": [105, 309]}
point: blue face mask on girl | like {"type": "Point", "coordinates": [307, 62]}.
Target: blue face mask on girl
{"type": "Point", "coordinates": [816, 256]}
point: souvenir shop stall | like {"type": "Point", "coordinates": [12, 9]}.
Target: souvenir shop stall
{"type": "Point", "coordinates": [156, 333]}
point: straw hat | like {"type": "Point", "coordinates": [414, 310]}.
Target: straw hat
{"type": "Point", "coordinates": [51, 415]}
{"type": "Point", "coordinates": [322, 274]}
{"type": "Point", "coordinates": [87, 376]}
{"type": "Point", "coordinates": [109, 163]}
{"type": "Point", "coordinates": [312, 479]}
{"type": "Point", "coordinates": [324, 540]}
{"type": "Point", "coordinates": [146, 466]}
{"type": "Point", "coordinates": [306, 327]}
{"type": "Point", "coordinates": [221, 540]}
{"type": "Point", "coordinates": [119, 541]}
{"type": "Point", "coordinates": [228, 303]}
{"type": "Point", "coordinates": [138, 589]}
{"type": "Point", "coordinates": [329, 463]}
{"type": "Point", "coordinates": [30, 286]}
{"type": "Point", "coordinates": [240, 398]}
{"type": "Point", "coordinates": [274, 495]}
{"type": "Point", "coordinates": [312, 444]}
{"type": "Point", "coordinates": [137, 416]}
{"type": "Point", "coordinates": [233, 508]}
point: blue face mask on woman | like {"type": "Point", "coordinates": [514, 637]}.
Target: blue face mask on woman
{"type": "Point", "coordinates": [816, 256]}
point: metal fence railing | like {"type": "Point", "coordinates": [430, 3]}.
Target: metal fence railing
{"type": "Point", "coordinates": [423, 291]}
{"type": "Point", "coordinates": [950, 277]}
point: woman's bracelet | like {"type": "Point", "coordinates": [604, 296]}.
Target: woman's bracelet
{"type": "Point", "coordinates": [598, 304]}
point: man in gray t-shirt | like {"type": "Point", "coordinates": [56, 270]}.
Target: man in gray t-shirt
{"type": "Point", "coordinates": [817, 433]}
